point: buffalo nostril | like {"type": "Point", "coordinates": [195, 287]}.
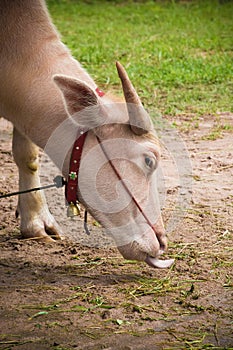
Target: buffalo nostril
{"type": "Point", "coordinates": [162, 247]}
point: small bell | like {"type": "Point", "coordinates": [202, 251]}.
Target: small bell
{"type": "Point", "coordinates": [73, 210]}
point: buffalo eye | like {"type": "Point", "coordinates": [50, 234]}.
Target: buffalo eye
{"type": "Point", "coordinates": [150, 162]}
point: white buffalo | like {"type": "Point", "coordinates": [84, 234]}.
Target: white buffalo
{"type": "Point", "coordinates": [43, 89]}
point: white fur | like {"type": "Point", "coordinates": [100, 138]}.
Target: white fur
{"type": "Point", "coordinates": [32, 59]}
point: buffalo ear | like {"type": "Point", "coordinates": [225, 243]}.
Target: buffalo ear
{"type": "Point", "coordinates": [76, 93]}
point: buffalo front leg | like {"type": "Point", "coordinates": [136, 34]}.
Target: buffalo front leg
{"type": "Point", "coordinates": [35, 219]}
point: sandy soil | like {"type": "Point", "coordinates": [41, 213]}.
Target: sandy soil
{"type": "Point", "coordinates": [80, 294]}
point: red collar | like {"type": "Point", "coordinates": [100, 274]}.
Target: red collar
{"type": "Point", "coordinates": [72, 181]}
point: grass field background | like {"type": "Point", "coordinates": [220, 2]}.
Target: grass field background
{"type": "Point", "coordinates": [179, 54]}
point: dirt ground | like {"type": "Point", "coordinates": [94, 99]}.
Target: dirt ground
{"type": "Point", "coordinates": [78, 294]}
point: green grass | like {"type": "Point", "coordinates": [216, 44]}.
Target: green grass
{"type": "Point", "coordinates": [179, 54]}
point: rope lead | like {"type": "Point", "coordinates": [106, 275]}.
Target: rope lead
{"type": "Point", "coordinates": [59, 181]}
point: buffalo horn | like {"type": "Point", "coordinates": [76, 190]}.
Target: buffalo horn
{"type": "Point", "coordinates": [139, 120]}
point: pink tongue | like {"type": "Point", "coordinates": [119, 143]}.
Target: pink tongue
{"type": "Point", "coordinates": [161, 264]}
